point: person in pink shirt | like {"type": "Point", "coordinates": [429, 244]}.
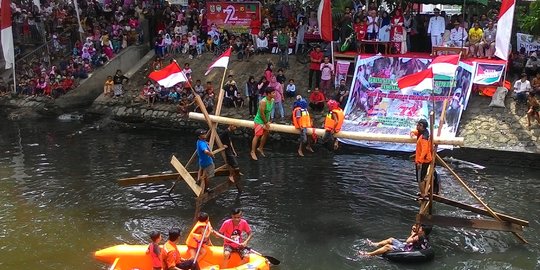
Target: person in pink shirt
{"type": "Point", "coordinates": [327, 71]}
{"type": "Point", "coordinates": [234, 228]}
{"type": "Point", "coordinates": [278, 99]}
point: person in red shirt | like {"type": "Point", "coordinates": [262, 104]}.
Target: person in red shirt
{"type": "Point", "coordinates": [235, 228]}
{"type": "Point", "coordinates": [360, 28]}
{"type": "Point", "coordinates": [254, 28]}
{"type": "Point", "coordinates": [316, 57]}
{"type": "Point", "coordinates": [316, 100]}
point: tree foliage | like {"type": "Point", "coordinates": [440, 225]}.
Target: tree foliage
{"type": "Point", "coordinates": [529, 18]}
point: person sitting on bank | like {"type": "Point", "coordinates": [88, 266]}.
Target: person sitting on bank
{"type": "Point", "coordinates": [316, 100]}
{"type": "Point", "coordinates": [417, 240]}
{"type": "Point", "coordinates": [172, 258]}
{"type": "Point", "coordinates": [534, 109]}
{"type": "Point", "coordinates": [333, 123]}
{"type": "Point", "coordinates": [200, 235]}
{"type": "Point", "coordinates": [302, 121]}
{"type": "Point", "coordinates": [521, 87]}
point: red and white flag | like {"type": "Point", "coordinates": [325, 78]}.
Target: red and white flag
{"type": "Point", "coordinates": [222, 61]}
{"type": "Point", "coordinates": [324, 18]}
{"type": "Point", "coordinates": [419, 81]}
{"type": "Point", "coordinates": [504, 29]}
{"type": "Point", "coordinates": [7, 34]}
{"type": "Point", "coordinates": [445, 65]}
{"type": "Point", "coordinates": [169, 76]}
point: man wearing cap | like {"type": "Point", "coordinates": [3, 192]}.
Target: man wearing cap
{"type": "Point", "coordinates": [206, 162]}
{"type": "Point", "coordinates": [423, 155]}
{"type": "Point", "coordinates": [458, 35]}
{"type": "Point", "coordinates": [436, 28]}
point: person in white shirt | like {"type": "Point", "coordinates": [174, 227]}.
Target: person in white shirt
{"type": "Point", "coordinates": [436, 28]}
{"type": "Point", "coordinates": [372, 25]}
{"type": "Point", "coordinates": [458, 36]}
{"type": "Point", "coordinates": [521, 88]}
{"type": "Point", "coordinates": [262, 43]}
{"type": "Point", "coordinates": [488, 40]}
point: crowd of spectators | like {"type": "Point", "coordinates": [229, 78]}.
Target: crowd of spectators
{"type": "Point", "coordinates": [69, 55]}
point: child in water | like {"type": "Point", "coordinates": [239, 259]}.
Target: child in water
{"type": "Point", "coordinates": [154, 250]}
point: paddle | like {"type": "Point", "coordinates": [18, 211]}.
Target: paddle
{"type": "Point", "coordinates": [271, 259]}
{"type": "Point", "coordinates": [200, 244]}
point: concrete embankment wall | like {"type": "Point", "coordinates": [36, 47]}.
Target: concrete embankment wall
{"type": "Point", "coordinates": [92, 87]}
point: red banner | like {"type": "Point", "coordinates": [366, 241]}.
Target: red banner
{"type": "Point", "coordinates": [235, 17]}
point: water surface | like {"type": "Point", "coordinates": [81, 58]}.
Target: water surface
{"type": "Point", "coordinates": [60, 201]}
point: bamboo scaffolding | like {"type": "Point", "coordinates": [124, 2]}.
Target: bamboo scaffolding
{"type": "Point", "coordinates": [361, 136]}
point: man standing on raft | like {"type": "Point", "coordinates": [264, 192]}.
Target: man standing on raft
{"type": "Point", "coordinates": [423, 155]}
{"type": "Point", "coordinates": [262, 122]}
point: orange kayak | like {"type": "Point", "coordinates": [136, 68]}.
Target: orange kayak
{"type": "Point", "coordinates": [129, 257]}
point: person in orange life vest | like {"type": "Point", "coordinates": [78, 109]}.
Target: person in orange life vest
{"type": "Point", "coordinates": [234, 228]}
{"type": "Point", "coordinates": [302, 121]}
{"type": "Point", "coordinates": [333, 122]}
{"type": "Point", "coordinates": [155, 251]}
{"type": "Point", "coordinates": [423, 156]}
{"type": "Point", "coordinates": [172, 259]}
{"type": "Point", "coordinates": [196, 236]}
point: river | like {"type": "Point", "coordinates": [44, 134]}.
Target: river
{"type": "Point", "coordinates": [60, 201]}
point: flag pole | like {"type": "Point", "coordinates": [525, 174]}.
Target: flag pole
{"type": "Point", "coordinates": [14, 79]}
{"type": "Point", "coordinates": [445, 102]}
{"type": "Point", "coordinates": [218, 108]}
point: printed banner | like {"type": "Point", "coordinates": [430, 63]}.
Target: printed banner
{"type": "Point", "coordinates": [342, 68]}
{"type": "Point", "coordinates": [487, 74]}
{"type": "Point", "coordinates": [528, 42]}
{"type": "Point", "coordinates": [377, 106]}
{"type": "Point", "coordinates": [234, 17]}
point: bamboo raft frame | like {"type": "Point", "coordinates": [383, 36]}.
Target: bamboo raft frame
{"type": "Point", "coordinates": [497, 221]}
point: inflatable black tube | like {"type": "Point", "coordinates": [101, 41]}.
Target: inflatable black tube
{"type": "Point", "coordinates": [414, 256]}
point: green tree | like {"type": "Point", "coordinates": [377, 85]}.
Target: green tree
{"type": "Point", "coordinates": [530, 20]}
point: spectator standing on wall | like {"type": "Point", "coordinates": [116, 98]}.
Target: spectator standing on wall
{"type": "Point", "coordinates": [119, 79]}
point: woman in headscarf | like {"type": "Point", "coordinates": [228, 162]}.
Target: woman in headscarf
{"type": "Point", "coordinates": [397, 33]}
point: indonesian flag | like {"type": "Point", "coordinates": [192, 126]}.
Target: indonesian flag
{"type": "Point", "coordinates": [7, 34]}
{"type": "Point", "coordinates": [222, 61]}
{"type": "Point", "coordinates": [324, 18]}
{"type": "Point", "coordinates": [504, 29]}
{"type": "Point", "coordinates": [445, 65]}
{"type": "Point", "coordinates": [419, 81]}
{"type": "Point", "coordinates": [169, 76]}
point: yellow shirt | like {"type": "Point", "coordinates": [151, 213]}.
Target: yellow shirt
{"type": "Point", "coordinates": [475, 35]}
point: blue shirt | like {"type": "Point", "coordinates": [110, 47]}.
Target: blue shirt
{"type": "Point", "coordinates": [204, 159]}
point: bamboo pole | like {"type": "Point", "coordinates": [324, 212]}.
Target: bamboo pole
{"type": "Point", "coordinates": [361, 136]}
{"type": "Point", "coordinates": [219, 104]}
{"type": "Point", "coordinates": [490, 211]}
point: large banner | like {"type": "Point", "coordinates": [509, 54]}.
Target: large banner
{"type": "Point", "coordinates": [234, 17]}
{"type": "Point", "coordinates": [528, 42]}
{"type": "Point", "coordinates": [487, 74]}
{"type": "Point", "coordinates": [377, 106]}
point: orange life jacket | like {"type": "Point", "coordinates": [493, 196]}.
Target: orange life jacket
{"type": "Point", "coordinates": [194, 238]}
{"type": "Point", "coordinates": [304, 121]}
{"type": "Point", "coordinates": [423, 148]}
{"type": "Point", "coordinates": [329, 122]}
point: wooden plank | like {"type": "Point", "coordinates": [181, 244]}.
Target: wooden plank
{"type": "Point", "coordinates": [147, 179]}
{"type": "Point", "coordinates": [477, 210]}
{"type": "Point", "coordinates": [216, 191]}
{"type": "Point", "coordinates": [142, 179]}
{"type": "Point", "coordinates": [361, 136]}
{"type": "Point", "coordinates": [484, 224]}
{"type": "Point", "coordinates": [184, 174]}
